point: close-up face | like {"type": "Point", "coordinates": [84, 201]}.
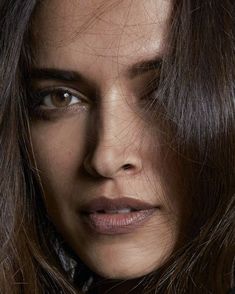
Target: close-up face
{"type": "Point", "coordinates": [110, 182]}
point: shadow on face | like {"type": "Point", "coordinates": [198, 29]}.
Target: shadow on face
{"type": "Point", "coordinates": [92, 140]}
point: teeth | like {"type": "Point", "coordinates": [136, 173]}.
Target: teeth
{"type": "Point", "coordinates": [111, 211]}
{"type": "Point", "coordinates": [123, 210]}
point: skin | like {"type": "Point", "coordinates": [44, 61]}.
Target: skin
{"type": "Point", "coordinates": [81, 151]}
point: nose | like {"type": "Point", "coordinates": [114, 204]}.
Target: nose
{"type": "Point", "coordinates": [115, 151]}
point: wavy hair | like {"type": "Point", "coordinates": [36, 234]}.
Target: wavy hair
{"type": "Point", "coordinates": [197, 98]}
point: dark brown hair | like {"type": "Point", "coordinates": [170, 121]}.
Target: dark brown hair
{"type": "Point", "coordinates": [197, 98]}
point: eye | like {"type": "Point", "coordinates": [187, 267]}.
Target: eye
{"type": "Point", "coordinates": [56, 102]}
{"type": "Point", "coordinates": [60, 98]}
{"type": "Point", "coordinates": [149, 92]}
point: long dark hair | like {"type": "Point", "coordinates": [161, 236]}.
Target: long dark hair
{"type": "Point", "coordinates": [197, 99]}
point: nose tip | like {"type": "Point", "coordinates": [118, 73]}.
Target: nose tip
{"type": "Point", "coordinates": [114, 149]}
{"type": "Point", "coordinates": [108, 164]}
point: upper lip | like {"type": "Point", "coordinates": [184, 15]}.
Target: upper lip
{"type": "Point", "coordinates": [104, 203]}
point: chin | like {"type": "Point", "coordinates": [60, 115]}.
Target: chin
{"type": "Point", "coordinates": [120, 273]}
{"type": "Point", "coordinates": [123, 267]}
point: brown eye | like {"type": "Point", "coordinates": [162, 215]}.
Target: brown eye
{"type": "Point", "coordinates": [60, 98]}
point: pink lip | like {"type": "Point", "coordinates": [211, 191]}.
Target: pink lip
{"type": "Point", "coordinates": [116, 223]}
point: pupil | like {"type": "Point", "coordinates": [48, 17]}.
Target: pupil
{"type": "Point", "coordinates": [61, 99]}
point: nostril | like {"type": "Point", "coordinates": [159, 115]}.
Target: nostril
{"type": "Point", "coordinates": [127, 166]}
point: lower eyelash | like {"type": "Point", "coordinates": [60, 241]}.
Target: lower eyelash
{"type": "Point", "coordinates": [36, 108]}
{"type": "Point", "coordinates": [53, 114]}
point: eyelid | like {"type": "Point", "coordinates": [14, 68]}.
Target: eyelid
{"type": "Point", "coordinates": [38, 95]}
{"type": "Point", "coordinates": [151, 87]}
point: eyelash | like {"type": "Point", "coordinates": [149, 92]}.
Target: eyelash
{"type": "Point", "coordinates": [38, 97]}
{"type": "Point", "coordinates": [150, 91]}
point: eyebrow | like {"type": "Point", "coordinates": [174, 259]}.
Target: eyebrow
{"type": "Point", "coordinates": [56, 74]}
{"type": "Point", "coordinates": [75, 76]}
{"type": "Point", "coordinates": [144, 66]}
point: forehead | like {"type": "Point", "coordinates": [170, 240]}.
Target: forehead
{"type": "Point", "coordinates": [100, 33]}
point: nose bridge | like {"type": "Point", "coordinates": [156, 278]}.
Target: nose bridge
{"type": "Point", "coordinates": [115, 117]}
{"type": "Point", "coordinates": [115, 149]}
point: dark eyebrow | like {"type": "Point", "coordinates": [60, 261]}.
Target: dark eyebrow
{"type": "Point", "coordinates": [144, 66]}
{"type": "Point", "coordinates": [74, 76]}
{"type": "Point", "coordinates": [56, 74]}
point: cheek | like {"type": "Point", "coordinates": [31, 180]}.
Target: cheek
{"type": "Point", "coordinates": [59, 150]}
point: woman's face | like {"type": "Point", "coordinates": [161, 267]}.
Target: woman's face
{"type": "Point", "coordinates": [91, 134]}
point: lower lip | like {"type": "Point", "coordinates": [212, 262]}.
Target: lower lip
{"type": "Point", "coordinates": [119, 223]}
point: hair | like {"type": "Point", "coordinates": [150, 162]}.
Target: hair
{"type": "Point", "coordinates": [197, 95]}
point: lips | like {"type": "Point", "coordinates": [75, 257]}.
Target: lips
{"type": "Point", "coordinates": [116, 216]}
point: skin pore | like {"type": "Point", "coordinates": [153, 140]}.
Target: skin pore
{"type": "Point", "coordinates": [89, 129]}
